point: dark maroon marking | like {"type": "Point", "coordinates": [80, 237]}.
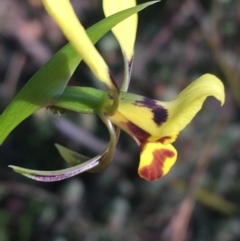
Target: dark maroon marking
{"type": "Point", "coordinates": [130, 62]}
{"type": "Point", "coordinates": [110, 96]}
{"type": "Point", "coordinates": [113, 81]}
{"type": "Point", "coordinates": [163, 139]}
{"type": "Point", "coordinates": [139, 133]}
{"type": "Point", "coordinates": [146, 102]}
{"type": "Point", "coordinates": [160, 114]}
{"type": "Point", "coordinates": [154, 171]}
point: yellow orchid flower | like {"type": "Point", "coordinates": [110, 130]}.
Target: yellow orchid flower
{"type": "Point", "coordinates": [155, 124]}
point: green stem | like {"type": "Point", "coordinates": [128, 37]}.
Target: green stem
{"type": "Point", "coordinates": [83, 99]}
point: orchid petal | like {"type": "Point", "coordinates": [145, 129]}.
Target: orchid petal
{"type": "Point", "coordinates": [156, 160]}
{"type": "Point", "coordinates": [125, 31]}
{"type": "Point", "coordinates": [63, 13]}
{"type": "Point", "coordinates": [75, 158]}
{"type": "Point", "coordinates": [163, 121]}
{"type": "Point", "coordinates": [110, 150]}
{"type": "Point", "coordinates": [53, 176]}
{"type": "Point", "coordinates": [71, 157]}
{"type": "Point", "coordinates": [96, 164]}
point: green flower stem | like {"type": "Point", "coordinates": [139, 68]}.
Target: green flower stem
{"type": "Point", "coordinates": [84, 100]}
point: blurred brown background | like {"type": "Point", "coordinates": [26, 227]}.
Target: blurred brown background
{"type": "Point", "coordinates": [199, 200]}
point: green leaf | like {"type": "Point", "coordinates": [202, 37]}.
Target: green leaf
{"type": "Point", "coordinates": [50, 81]}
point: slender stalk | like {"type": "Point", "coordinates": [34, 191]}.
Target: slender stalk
{"type": "Point", "coordinates": [82, 99]}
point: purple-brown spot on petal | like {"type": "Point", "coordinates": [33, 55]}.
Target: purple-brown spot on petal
{"type": "Point", "coordinates": [154, 170]}
{"type": "Point", "coordinates": [110, 96]}
{"type": "Point", "coordinates": [113, 81]}
{"type": "Point", "coordinates": [165, 138]}
{"type": "Point", "coordinates": [160, 114]}
{"type": "Point", "coordinates": [130, 65]}
{"type": "Point", "coordinates": [146, 102]}
{"type": "Point", "coordinates": [137, 132]}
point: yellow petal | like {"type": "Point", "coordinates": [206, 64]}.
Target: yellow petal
{"type": "Point", "coordinates": [187, 104]}
{"type": "Point", "coordinates": [63, 13]}
{"type": "Point", "coordinates": [164, 120]}
{"type": "Point", "coordinates": [156, 160]}
{"type": "Point", "coordinates": [133, 130]}
{"type": "Point", "coordinates": [125, 31]}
